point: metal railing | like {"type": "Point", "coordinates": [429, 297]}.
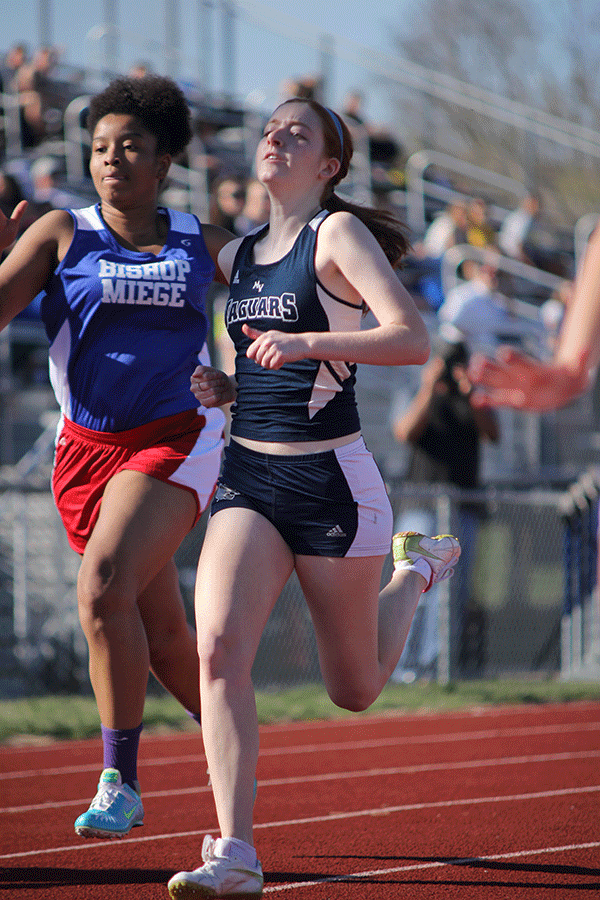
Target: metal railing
{"type": "Point", "coordinates": [419, 188]}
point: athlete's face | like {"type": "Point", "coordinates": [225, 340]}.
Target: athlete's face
{"type": "Point", "coordinates": [125, 167]}
{"type": "Point", "coordinates": [293, 145]}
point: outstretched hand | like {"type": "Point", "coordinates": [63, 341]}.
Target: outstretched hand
{"type": "Point", "coordinates": [520, 381]}
{"type": "Point", "coordinates": [9, 227]}
{"type": "Point", "coordinates": [212, 387]}
{"type": "Point", "coordinates": [272, 349]}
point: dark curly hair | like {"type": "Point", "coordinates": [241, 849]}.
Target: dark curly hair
{"type": "Point", "coordinates": [157, 102]}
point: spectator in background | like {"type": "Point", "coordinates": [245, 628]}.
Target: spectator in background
{"type": "Point", "coordinates": [515, 230]}
{"type": "Point", "coordinates": [14, 80]}
{"type": "Point", "coordinates": [376, 143]}
{"type": "Point", "coordinates": [352, 110]}
{"type": "Point", "coordinates": [32, 81]}
{"type": "Point", "coordinates": [16, 56]}
{"type": "Point", "coordinates": [47, 193]}
{"type": "Point", "coordinates": [354, 117]}
{"type": "Point", "coordinates": [445, 432]}
{"type": "Point", "coordinates": [475, 311]}
{"type": "Point", "coordinates": [308, 87]}
{"type": "Point", "coordinates": [256, 208]}
{"type": "Point", "coordinates": [140, 69]}
{"type": "Point", "coordinates": [227, 201]}
{"type": "Point", "coordinates": [480, 231]}
{"type": "Point", "coordinates": [11, 193]}
{"type": "Point", "coordinates": [448, 229]}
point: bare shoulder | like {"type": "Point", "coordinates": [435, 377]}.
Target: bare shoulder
{"type": "Point", "coordinates": [344, 240]}
{"type": "Point", "coordinates": [56, 222]}
{"type": "Point", "coordinates": [53, 232]}
{"type": "Point", "coordinates": [215, 237]}
{"type": "Point", "coordinates": [343, 228]}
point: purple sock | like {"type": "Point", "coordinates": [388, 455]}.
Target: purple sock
{"type": "Point", "coordinates": [121, 751]}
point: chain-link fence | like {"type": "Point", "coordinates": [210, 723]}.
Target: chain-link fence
{"type": "Point", "coordinates": [529, 556]}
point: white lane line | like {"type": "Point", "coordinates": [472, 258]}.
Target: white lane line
{"type": "Point", "coordinates": [338, 747]}
{"type": "Point", "coordinates": [354, 774]}
{"type": "Point", "coordinates": [330, 817]}
{"type": "Point", "coordinates": [415, 867]}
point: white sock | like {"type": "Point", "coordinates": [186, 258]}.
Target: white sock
{"type": "Point", "coordinates": [237, 848]}
{"type": "Point", "coordinates": [420, 566]}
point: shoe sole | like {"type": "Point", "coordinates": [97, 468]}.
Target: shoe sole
{"type": "Point", "coordinates": [87, 831]}
{"type": "Point", "coordinates": [193, 891]}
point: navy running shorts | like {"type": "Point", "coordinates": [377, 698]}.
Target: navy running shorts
{"type": "Point", "coordinates": [323, 504]}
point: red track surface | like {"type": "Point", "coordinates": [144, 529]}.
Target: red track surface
{"type": "Point", "coordinates": [489, 803]}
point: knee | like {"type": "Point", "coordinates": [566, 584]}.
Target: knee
{"type": "Point", "coordinates": [222, 657]}
{"type": "Point", "coordinates": [354, 698]}
{"type": "Point", "coordinates": [100, 591]}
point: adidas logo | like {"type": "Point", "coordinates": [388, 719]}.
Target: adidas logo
{"type": "Point", "coordinates": [236, 279]}
{"type": "Point", "coordinates": [225, 493]}
{"type": "Point", "coordinates": [336, 531]}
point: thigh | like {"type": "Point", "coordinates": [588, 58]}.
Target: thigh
{"type": "Point", "coordinates": [343, 599]}
{"type": "Point", "coordinates": [141, 524]}
{"type": "Point", "coordinates": [243, 567]}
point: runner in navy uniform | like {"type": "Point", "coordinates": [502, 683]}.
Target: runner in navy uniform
{"type": "Point", "coordinates": [122, 289]}
{"type": "Point", "coordinates": [299, 489]}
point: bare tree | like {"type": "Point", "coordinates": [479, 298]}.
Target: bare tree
{"type": "Point", "coordinates": [544, 55]}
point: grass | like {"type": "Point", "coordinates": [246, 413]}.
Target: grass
{"type": "Point", "coordinates": [76, 717]}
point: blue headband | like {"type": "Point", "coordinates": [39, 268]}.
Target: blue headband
{"type": "Point", "coordinates": [338, 127]}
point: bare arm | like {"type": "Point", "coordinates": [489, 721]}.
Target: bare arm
{"type": "Point", "coordinates": [351, 264]}
{"type": "Point", "coordinates": [29, 264]}
{"type": "Point", "coordinates": [578, 344]}
{"type": "Point", "coordinates": [514, 379]}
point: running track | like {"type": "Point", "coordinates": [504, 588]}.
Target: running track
{"type": "Point", "coordinates": [487, 803]}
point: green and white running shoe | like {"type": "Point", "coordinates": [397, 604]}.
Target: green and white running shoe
{"type": "Point", "coordinates": [441, 552]}
{"type": "Point", "coordinates": [114, 811]}
{"type": "Point", "coordinates": [224, 874]}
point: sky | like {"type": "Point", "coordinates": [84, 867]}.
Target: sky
{"type": "Point", "coordinates": [273, 41]}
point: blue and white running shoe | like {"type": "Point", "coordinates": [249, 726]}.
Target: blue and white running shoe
{"type": "Point", "coordinates": [114, 811]}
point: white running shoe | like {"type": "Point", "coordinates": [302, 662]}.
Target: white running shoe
{"type": "Point", "coordinates": [114, 811]}
{"type": "Point", "coordinates": [223, 874]}
{"type": "Point", "coordinates": [441, 552]}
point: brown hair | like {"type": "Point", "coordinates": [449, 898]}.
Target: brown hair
{"type": "Point", "coordinates": [390, 232]}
